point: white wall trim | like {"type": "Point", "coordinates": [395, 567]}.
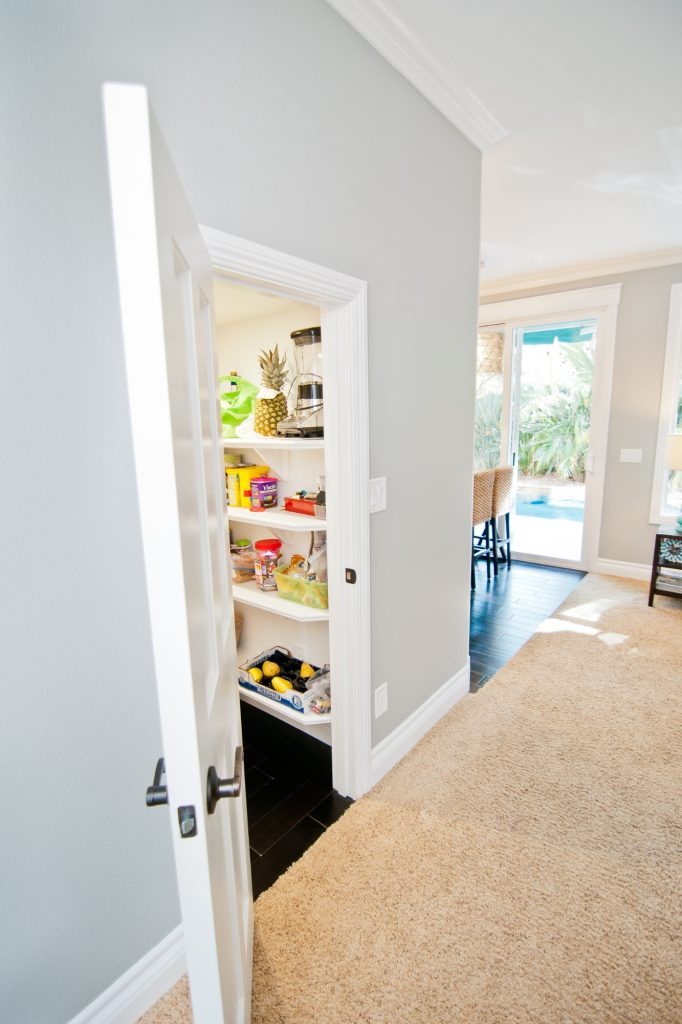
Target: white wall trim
{"type": "Point", "coordinates": [630, 570]}
{"type": "Point", "coordinates": [577, 300]}
{"type": "Point", "coordinates": [141, 986]}
{"type": "Point", "coordinates": [667, 416]}
{"type": "Point", "coordinates": [389, 30]}
{"type": "Point", "coordinates": [343, 302]}
{"type": "Point", "coordinates": [581, 272]}
{"type": "Point", "coordinates": [400, 742]}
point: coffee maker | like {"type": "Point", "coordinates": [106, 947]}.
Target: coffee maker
{"type": "Point", "coordinates": [307, 419]}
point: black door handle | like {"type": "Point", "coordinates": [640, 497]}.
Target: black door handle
{"type": "Point", "coordinates": [217, 788]}
{"type": "Point", "coordinates": [156, 793]}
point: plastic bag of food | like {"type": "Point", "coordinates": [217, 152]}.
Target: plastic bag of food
{"type": "Point", "coordinates": [237, 402]}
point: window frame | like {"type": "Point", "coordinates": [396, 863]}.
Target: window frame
{"type": "Point", "coordinates": [667, 417]}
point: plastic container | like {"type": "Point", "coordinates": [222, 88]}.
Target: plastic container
{"type": "Point", "coordinates": [246, 475]}
{"type": "Point", "coordinates": [310, 593]}
{"type": "Point", "coordinates": [243, 561]}
{"type": "Point", "coordinates": [263, 493]}
{"type": "Point", "coordinates": [266, 562]}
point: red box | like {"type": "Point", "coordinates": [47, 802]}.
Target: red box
{"type": "Point", "coordinates": [304, 506]}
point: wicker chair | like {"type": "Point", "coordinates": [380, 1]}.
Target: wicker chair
{"type": "Point", "coordinates": [503, 498]}
{"type": "Point", "coordinates": [482, 545]}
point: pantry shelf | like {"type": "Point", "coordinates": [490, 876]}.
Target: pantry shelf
{"type": "Point", "coordinates": [276, 519]}
{"type": "Point", "coordinates": [275, 443]}
{"type": "Point", "coordinates": [249, 594]}
{"type": "Point", "coordinates": [309, 722]}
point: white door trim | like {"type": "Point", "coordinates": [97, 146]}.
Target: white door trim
{"type": "Point", "coordinates": [343, 301]}
{"type": "Point", "coordinates": [600, 302]}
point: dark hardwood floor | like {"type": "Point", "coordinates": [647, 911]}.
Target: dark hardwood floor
{"type": "Point", "coordinates": [289, 795]}
{"type": "Point", "coordinates": [506, 611]}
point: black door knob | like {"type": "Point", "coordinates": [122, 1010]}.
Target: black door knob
{"type": "Point", "coordinates": [156, 793]}
{"type": "Point", "coordinates": [217, 788]}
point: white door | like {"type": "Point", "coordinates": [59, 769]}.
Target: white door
{"type": "Point", "coordinates": [165, 294]}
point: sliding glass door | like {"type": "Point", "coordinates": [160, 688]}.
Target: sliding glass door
{"type": "Point", "coordinates": [533, 411]}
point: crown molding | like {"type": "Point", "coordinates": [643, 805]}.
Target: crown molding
{"type": "Point", "coordinates": [581, 272]}
{"type": "Point", "coordinates": [387, 28]}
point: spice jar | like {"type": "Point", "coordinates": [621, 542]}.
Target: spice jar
{"type": "Point", "coordinates": [267, 560]}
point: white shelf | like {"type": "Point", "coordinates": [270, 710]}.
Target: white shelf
{"type": "Point", "coordinates": [285, 444]}
{"type": "Point", "coordinates": [270, 601]}
{"type": "Point", "coordinates": [276, 519]}
{"type": "Point", "coordinates": [306, 721]}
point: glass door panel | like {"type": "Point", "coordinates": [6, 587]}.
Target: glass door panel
{"type": "Point", "coordinates": [490, 411]}
{"type": "Point", "coordinates": [554, 374]}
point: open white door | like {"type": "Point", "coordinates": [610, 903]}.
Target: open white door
{"type": "Point", "coordinates": [165, 293]}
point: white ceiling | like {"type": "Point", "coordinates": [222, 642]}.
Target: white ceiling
{"type": "Point", "coordinates": [577, 108]}
{"type": "Point", "coordinates": [235, 303]}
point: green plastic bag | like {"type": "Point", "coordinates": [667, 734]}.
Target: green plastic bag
{"type": "Point", "coordinates": [236, 402]}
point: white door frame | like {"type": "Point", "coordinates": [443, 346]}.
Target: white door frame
{"type": "Point", "coordinates": [601, 303]}
{"type": "Point", "coordinates": [343, 303]}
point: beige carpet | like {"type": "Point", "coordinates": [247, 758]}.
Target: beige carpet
{"type": "Point", "coordinates": [522, 864]}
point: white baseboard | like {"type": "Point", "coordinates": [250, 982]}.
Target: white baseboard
{"type": "Point", "coordinates": [631, 570]}
{"type": "Point", "coordinates": [392, 749]}
{"type": "Point", "coordinates": [139, 988]}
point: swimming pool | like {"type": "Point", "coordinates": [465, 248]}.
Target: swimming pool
{"type": "Point", "coordinates": [550, 508]}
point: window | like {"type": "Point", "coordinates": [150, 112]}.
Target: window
{"type": "Point", "coordinates": [666, 498]}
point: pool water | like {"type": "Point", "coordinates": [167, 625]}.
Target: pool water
{"type": "Point", "coordinates": [547, 508]}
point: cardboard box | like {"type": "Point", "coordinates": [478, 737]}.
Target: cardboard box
{"type": "Point", "coordinates": [292, 698]}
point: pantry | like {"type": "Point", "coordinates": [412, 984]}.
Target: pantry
{"type": "Point", "coordinates": [304, 618]}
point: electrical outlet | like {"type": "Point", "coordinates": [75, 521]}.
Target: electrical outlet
{"type": "Point", "coordinates": [381, 700]}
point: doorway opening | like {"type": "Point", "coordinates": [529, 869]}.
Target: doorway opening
{"type": "Point", "coordinates": [550, 436]}
{"type": "Point", "coordinates": [543, 388]}
{"type": "Point", "coordinates": [291, 295]}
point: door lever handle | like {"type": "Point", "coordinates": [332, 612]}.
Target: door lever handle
{"type": "Point", "coordinates": [217, 788]}
{"type": "Point", "coordinates": [156, 793]}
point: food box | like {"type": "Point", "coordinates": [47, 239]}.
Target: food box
{"type": "Point", "coordinates": [290, 667]}
{"type": "Point", "coordinates": [304, 506]}
{"type": "Point", "coordinates": [307, 592]}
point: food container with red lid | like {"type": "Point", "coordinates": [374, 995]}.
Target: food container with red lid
{"type": "Point", "coordinates": [266, 561]}
{"type": "Point", "coordinates": [263, 493]}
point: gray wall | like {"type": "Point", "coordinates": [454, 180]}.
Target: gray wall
{"type": "Point", "coordinates": [626, 533]}
{"type": "Point", "coordinates": [290, 131]}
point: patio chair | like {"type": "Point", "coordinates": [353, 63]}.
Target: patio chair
{"type": "Point", "coordinates": [482, 543]}
{"type": "Point", "coordinates": [502, 505]}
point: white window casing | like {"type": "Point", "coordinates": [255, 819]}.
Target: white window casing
{"type": "Point", "coordinates": [670, 395]}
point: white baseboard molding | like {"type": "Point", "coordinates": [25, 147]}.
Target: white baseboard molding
{"type": "Point", "coordinates": [139, 988]}
{"type": "Point", "coordinates": [392, 749]}
{"type": "Point", "coordinates": [631, 570]}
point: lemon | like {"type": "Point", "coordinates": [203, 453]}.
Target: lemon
{"type": "Point", "coordinates": [256, 674]}
{"type": "Point", "coordinates": [306, 671]}
{"type": "Point", "coordinates": [270, 669]}
{"type": "Point", "coordinates": [281, 685]}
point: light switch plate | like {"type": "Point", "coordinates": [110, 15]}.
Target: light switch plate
{"type": "Point", "coordinates": [377, 494]}
{"type": "Point", "coordinates": [381, 700]}
{"type": "Point", "coordinates": [631, 455]}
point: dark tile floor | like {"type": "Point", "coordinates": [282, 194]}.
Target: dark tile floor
{"type": "Point", "coordinates": [289, 794]}
{"type": "Point", "coordinates": [506, 611]}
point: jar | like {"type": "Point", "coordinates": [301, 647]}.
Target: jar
{"type": "Point", "coordinates": [267, 560]}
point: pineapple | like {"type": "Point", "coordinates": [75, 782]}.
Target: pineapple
{"type": "Point", "coordinates": [271, 405]}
